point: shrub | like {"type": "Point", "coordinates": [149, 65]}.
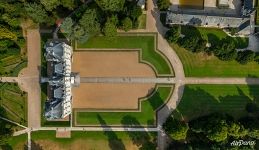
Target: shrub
{"type": "Point", "coordinates": [173, 34]}
{"type": "Point", "coordinates": [163, 4]}
{"type": "Point", "coordinates": [126, 24]}
{"type": "Point", "coordinates": [243, 57]}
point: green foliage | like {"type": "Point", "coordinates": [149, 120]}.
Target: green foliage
{"type": "Point", "coordinates": [79, 34]}
{"type": "Point", "coordinates": [218, 127]}
{"type": "Point", "coordinates": [36, 12]}
{"type": "Point", "coordinates": [110, 5]}
{"type": "Point", "coordinates": [252, 124]}
{"type": "Point", "coordinates": [50, 4]}
{"type": "Point", "coordinates": [244, 57]}
{"type": "Point", "coordinates": [89, 22]}
{"type": "Point", "coordinates": [237, 130]}
{"type": "Point", "coordinates": [193, 43]}
{"type": "Point", "coordinates": [176, 129]}
{"type": "Point", "coordinates": [6, 43]}
{"type": "Point", "coordinates": [68, 4]}
{"type": "Point", "coordinates": [225, 50]}
{"type": "Point", "coordinates": [5, 128]}
{"type": "Point", "coordinates": [110, 29]}
{"type": "Point", "coordinates": [67, 26]}
{"type": "Point", "coordinates": [173, 34]}
{"type": "Point", "coordinates": [163, 4]}
{"type": "Point", "coordinates": [12, 21]}
{"type": "Point", "coordinates": [7, 34]}
{"type": "Point", "coordinates": [126, 24]}
{"type": "Point", "coordinates": [21, 42]}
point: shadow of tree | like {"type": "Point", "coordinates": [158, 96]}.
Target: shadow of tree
{"type": "Point", "coordinates": [34, 146]}
{"type": "Point", "coordinates": [203, 102]}
{"type": "Point", "coordinates": [142, 139]}
{"type": "Point", "coordinates": [114, 142]}
{"type": "Point", "coordinates": [6, 147]}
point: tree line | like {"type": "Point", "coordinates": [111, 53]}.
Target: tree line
{"type": "Point", "coordinates": [215, 131]}
{"type": "Point", "coordinates": [225, 50]}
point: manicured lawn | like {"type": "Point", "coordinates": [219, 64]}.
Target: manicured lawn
{"type": "Point", "coordinates": [199, 100]}
{"type": "Point", "coordinates": [16, 142]}
{"type": "Point", "coordinates": [93, 140]}
{"type": "Point", "coordinates": [146, 43]}
{"type": "Point", "coordinates": [14, 101]}
{"type": "Point", "coordinates": [142, 21]}
{"type": "Point", "coordinates": [201, 65]}
{"type": "Point", "coordinates": [144, 118]}
{"type": "Point", "coordinates": [213, 35]}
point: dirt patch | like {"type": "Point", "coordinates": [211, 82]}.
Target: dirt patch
{"type": "Point", "coordinates": [110, 64]}
{"type": "Point", "coordinates": [109, 96]}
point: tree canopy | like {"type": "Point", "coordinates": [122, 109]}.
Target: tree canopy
{"type": "Point", "coordinates": [110, 28]}
{"type": "Point", "coordinates": [89, 22]}
{"type": "Point", "coordinates": [163, 4]}
{"type": "Point", "coordinates": [176, 129]}
{"type": "Point", "coordinates": [36, 12]}
{"type": "Point", "coordinates": [110, 5]}
{"type": "Point", "coordinates": [126, 24]}
{"type": "Point", "coordinates": [50, 4]}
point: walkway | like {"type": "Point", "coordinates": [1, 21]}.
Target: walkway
{"type": "Point", "coordinates": [28, 78]}
{"type": "Point", "coordinates": [127, 80]}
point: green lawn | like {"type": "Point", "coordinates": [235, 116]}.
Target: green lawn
{"type": "Point", "coordinates": [16, 143]}
{"type": "Point", "coordinates": [201, 65]}
{"type": "Point", "coordinates": [142, 21]}
{"type": "Point", "coordinates": [146, 43]}
{"type": "Point", "coordinates": [144, 118]}
{"type": "Point", "coordinates": [93, 140]}
{"type": "Point", "coordinates": [199, 100]}
{"type": "Point", "coordinates": [14, 101]}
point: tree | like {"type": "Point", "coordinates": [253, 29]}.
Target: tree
{"type": "Point", "coordinates": [67, 25]}
{"type": "Point", "coordinates": [163, 4]}
{"type": "Point", "coordinates": [79, 34]}
{"type": "Point", "coordinates": [110, 29]}
{"type": "Point", "coordinates": [225, 50]}
{"type": "Point", "coordinates": [176, 129]}
{"type": "Point", "coordinates": [68, 4]}
{"type": "Point", "coordinates": [89, 22]}
{"type": "Point", "coordinates": [7, 34]}
{"type": "Point", "coordinates": [50, 4]}
{"type": "Point", "coordinates": [237, 130]}
{"type": "Point", "coordinates": [36, 12]}
{"type": "Point", "coordinates": [134, 12]}
{"type": "Point", "coordinates": [12, 21]}
{"type": "Point", "coordinates": [243, 57]}
{"type": "Point", "coordinates": [110, 5]}
{"type": "Point", "coordinates": [126, 24]}
{"type": "Point", "coordinates": [173, 34]}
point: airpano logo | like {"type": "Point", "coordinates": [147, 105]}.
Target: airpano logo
{"type": "Point", "coordinates": [242, 142]}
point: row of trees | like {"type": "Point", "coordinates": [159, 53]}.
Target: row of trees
{"type": "Point", "coordinates": [215, 130]}
{"type": "Point", "coordinates": [12, 14]}
{"type": "Point", "coordinates": [225, 49]}
{"type": "Point", "coordinates": [99, 16]}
